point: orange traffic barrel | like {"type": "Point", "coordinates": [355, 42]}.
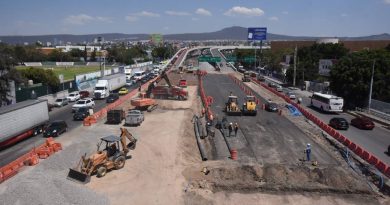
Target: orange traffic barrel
{"type": "Point", "coordinates": [233, 154]}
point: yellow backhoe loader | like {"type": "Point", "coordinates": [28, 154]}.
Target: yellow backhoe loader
{"type": "Point", "coordinates": [111, 154]}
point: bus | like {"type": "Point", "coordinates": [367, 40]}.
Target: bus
{"type": "Point", "coordinates": [327, 103]}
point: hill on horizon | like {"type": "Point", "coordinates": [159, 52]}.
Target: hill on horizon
{"type": "Point", "coordinates": [230, 33]}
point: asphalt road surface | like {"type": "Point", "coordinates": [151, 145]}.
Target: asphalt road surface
{"type": "Point", "coordinates": [265, 138]}
{"type": "Point", "coordinates": [375, 141]}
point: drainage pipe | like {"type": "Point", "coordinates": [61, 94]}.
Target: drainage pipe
{"type": "Point", "coordinates": [198, 141]}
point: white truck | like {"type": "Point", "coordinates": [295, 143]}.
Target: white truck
{"type": "Point", "coordinates": [22, 120]}
{"type": "Point", "coordinates": [107, 84]}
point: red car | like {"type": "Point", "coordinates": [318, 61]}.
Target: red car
{"type": "Point", "coordinates": [84, 94]}
{"type": "Point", "coordinates": [363, 123]}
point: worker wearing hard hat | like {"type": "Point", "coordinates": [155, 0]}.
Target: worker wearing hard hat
{"type": "Point", "coordinates": [308, 152]}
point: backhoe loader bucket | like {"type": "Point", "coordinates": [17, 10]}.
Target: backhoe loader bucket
{"type": "Point", "coordinates": [77, 176]}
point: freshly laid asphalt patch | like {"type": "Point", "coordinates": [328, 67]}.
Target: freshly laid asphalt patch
{"type": "Point", "coordinates": [265, 138]}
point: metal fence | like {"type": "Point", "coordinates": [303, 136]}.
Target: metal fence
{"type": "Point", "coordinates": [25, 93]}
{"type": "Point", "coordinates": [379, 109]}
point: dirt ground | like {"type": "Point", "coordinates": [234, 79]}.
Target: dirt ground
{"type": "Point", "coordinates": [166, 168]}
{"type": "Point", "coordinates": [153, 175]}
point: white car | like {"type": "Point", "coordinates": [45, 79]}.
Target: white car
{"type": "Point", "coordinates": [86, 102]}
{"type": "Point", "coordinates": [73, 96]}
{"type": "Point", "coordinates": [291, 95]}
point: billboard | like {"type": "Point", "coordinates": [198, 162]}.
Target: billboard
{"type": "Point", "coordinates": [257, 34]}
{"type": "Point", "coordinates": [156, 38]}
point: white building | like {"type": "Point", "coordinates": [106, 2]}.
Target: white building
{"type": "Point", "coordinates": [68, 48]}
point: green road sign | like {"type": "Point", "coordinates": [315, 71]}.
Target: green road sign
{"type": "Point", "coordinates": [231, 58]}
{"type": "Point", "coordinates": [249, 59]}
{"type": "Point", "coordinates": [209, 59]}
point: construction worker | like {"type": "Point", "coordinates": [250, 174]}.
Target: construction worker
{"type": "Point", "coordinates": [230, 129]}
{"type": "Point", "coordinates": [308, 152]}
{"type": "Point", "coordinates": [235, 128]}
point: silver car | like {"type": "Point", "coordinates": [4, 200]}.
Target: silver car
{"type": "Point", "coordinates": [61, 102]}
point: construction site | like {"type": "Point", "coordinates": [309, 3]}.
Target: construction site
{"type": "Point", "coordinates": [185, 153]}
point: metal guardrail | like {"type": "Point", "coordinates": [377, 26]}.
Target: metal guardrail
{"type": "Point", "coordinates": [374, 112]}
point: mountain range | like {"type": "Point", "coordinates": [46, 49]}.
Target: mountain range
{"type": "Point", "coordinates": [231, 33]}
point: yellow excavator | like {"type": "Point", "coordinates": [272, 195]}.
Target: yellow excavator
{"type": "Point", "coordinates": [111, 154]}
{"type": "Point", "coordinates": [232, 107]}
{"type": "Point", "coordinates": [249, 106]}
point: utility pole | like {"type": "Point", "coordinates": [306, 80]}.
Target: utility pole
{"type": "Point", "coordinates": [295, 64]}
{"type": "Point", "coordinates": [372, 82]}
{"type": "Point", "coordinates": [254, 43]}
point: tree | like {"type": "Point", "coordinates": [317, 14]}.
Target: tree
{"type": "Point", "coordinates": [7, 73]}
{"type": "Point", "coordinates": [93, 55]}
{"type": "Point", "coordinates": [350, 77]}
{"type": "Point", "coordinates": [308, 60]}
{"type": "Point", "coordinates": [76, 54]}
{"type": "Point", "coordinates": [39, 75]}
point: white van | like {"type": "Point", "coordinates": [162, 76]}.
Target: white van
{"type": "Point", "coordinates": [138, 75]}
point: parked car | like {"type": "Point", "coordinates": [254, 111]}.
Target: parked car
{"type": "Point", "coordinates": [55, 128]}
{"type": "Point", "coordinates": [73, 96]}
{"type": "Point", "coordinates": [81, 113]}
{"type": "Point", "coordinates": [129, 82]}
{"type": "Point", "coordinates": [86, 102]}
{"type": "Point", "coordinates": [363, 123]}
{"type": "Point", "coordinates": [61, 102]}
{"type": "Point", "coordinates": [272, 107]}
{"type": "Point", "coordinates": [84, 94]}
{"type": "Point", "coordinates": [272, 85]}
{"type": "Point", "coordinates": [112, 97]}
{"type": "Point", "coordinates": [123, 91]}
{"type": "Point", "coordinates": [339, 123]}
{"type": "Point", "coordinates": [134, 117]}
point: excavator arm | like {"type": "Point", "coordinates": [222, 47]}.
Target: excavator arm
{"type": "Point", "coordinates": [152, 85]}
{"type": "Point", "coordinates": [126, 134]}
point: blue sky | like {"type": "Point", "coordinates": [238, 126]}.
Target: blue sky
{"type": "Point", "coordinates": [290, 17]}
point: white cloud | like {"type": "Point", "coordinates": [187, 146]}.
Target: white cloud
{"type": "Point", "coordinates": [131, 18]}
{"type": "Point", "coordinates": [147, 14]}
{"type": "Point", "coordinates": [177, 13]}
{"type": "Point", "coordinates": [243, 11]}
{"type": "Point", "coordinates": [203, 12]}
{"type": "Point", "coordinates": [386, 1]}
{"type": "Point", "coordinates": [273, 18]}
{"type": "Point", "coordinates": [135, 16]}
{"type": "Point", "coordinates": [343, 15]}
{"type": "Point", "coordinates": [285, 12]}
{"type": "Point", "coordinates": [82, 19]}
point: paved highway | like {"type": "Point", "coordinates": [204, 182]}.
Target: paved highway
{"type": "Point", "coordinates": [375, 141]}
{"type": "Point", "coordinates": [265, 138]}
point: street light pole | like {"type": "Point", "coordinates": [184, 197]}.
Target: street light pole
{"type": "Point", "coordinates": [371, 83]}
{"type": "Point", "coordinates": [295, 65]}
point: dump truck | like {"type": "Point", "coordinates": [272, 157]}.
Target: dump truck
{"type": "Point", "coordinates": [111, 153]}
{"type": "Point", "coordinates": [249, 106]}
{"type": "Point", "coordinates": [107, 84]}
{"type": "Point", "coordinates": [22, 120]}
{"type": "Point", "coordinates": [231, 107]}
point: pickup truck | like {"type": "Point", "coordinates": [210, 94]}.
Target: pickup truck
{"type": "Point", "coordinates": [134, 117]}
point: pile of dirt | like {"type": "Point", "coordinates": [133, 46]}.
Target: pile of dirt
{"type": "Point", "coordinates": [275, 177]}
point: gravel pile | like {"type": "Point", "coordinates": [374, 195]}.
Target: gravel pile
{"type": "Point", "coordinates": [47, 183]}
